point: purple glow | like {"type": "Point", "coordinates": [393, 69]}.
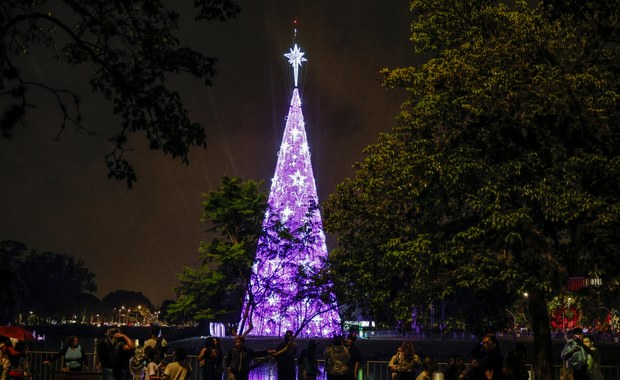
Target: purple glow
{"type": "Point", "coordinates": [291, 200]}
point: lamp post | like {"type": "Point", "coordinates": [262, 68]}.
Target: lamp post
{"type": "Point", "coordinates": [514, 323]}
{"type": "Point", "coordinates": [564, 321]}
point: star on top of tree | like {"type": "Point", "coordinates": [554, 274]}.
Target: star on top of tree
{"type": "Point", "coordinates": [295, 58]}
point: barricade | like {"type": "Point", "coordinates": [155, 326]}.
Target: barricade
{"type": "Point", "coordinates": [373, 370]}
{"type": "Point", "coordinates": [66, 375]}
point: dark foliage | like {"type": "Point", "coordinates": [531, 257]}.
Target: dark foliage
{"type": "Point", "coordinates": [127, 49]}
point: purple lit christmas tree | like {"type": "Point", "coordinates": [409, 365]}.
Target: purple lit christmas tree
{"type": "Point", "coordinates": [293, 241]}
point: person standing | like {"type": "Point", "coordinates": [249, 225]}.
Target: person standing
{"type": "Point", "coordinates": [308, 367]}
{"type": "Point", "coordinates": [355, 362]}
{"type": "Point", "coordinates": [593, 358]}
{"type": "Point", "coordinates": [114, 353]}
{"type": "Point", "coordinates": [514, 364]}
{"type": "Point", "coordinates": [5, 364]}
{"type": "Point", "coordinates": [157, 343]}
{"type": "Point", "coordinates": [210, 360]}
{"type": "Point", "coordinates": [219, 363]}
{"type": "Point", "coordinates": [285, 354]}
{"type": "Point", "coordinates": [179, 369]}
{"type": "Point", "coordinates": [238, 360]}
{"type": "Point", "coordinates": [74, 359]}
{"type": "Point", "coordinates": [490, 359]}
{"type": "Point", "coordinates": [456, 368]}
{"type": "Point", "coordinates": [152, 368]}
{"type": "Point", "coordinates": [336, 359]}
{"type": "Point", "coordinates": [18, 357]}
{"type": "Point", "coordinates": [575, 356]}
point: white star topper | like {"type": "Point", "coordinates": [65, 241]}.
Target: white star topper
{"type": "Point", "coordinates": [295, 58]}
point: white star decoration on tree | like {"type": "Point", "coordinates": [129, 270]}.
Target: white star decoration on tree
{"type": "Point", "coordinates": [304, 149]}
{"type": "Point", "coordinates": [295, 134]}
{"type": "Point", "coordinates": [298, 179]}
{"type": "Point", "coordinates": [295, 58]}
{"type": "Point", "coordinates": [286, 213]}
{"type": "Point", "coordinates": [284, 147]}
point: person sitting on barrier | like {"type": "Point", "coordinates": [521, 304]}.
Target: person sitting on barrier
{"type": "Point", "coordinates": [73, 357]}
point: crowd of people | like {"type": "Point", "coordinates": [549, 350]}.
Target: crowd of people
{"type": "Point", "coordinates": [118, 358]}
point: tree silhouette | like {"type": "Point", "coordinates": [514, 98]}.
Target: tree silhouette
{"type": "Point", "coordinates": [47, 284]}
{"type": "Point", "coordinates": [127, 50]}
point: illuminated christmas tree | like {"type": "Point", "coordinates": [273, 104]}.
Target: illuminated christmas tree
{"type": "Point", "coordinates": [293, 241]}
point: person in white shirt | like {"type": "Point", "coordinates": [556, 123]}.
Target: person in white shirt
{"type": "Point", "coordinates": [179, 369]}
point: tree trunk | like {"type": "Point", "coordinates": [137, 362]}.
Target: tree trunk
{"type": "Point", "coordinates": [543, 353]}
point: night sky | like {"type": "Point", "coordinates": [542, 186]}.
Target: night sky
{"type": "Point", "coordinates": [56, 196]}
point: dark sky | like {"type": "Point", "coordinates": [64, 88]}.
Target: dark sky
{"type": "Point", "coordinates": [56, 196]}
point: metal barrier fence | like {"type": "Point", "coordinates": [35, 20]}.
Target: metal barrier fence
{"type": "Point", "coordinates": [372, 370]}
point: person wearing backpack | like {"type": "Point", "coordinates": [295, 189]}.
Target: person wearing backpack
{"type": "Point", "coordinates": [114, 353]}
